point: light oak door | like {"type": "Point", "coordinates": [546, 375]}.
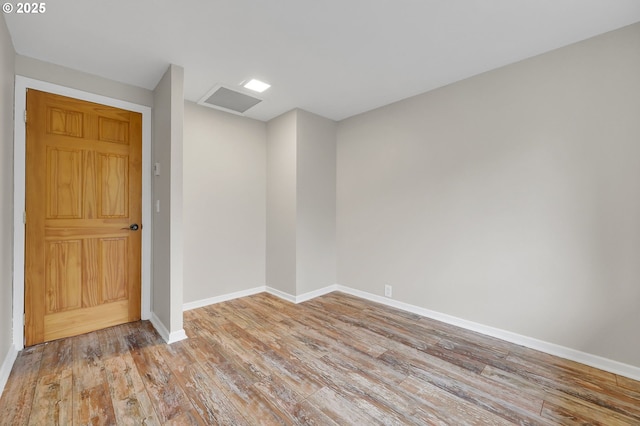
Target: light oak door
{"type": "Point", "coordinates": [83, 213]}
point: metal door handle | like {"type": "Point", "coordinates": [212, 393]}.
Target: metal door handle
{"type": "Point", "coordinates": [133, 227]}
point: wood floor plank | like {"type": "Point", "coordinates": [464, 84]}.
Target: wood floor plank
{"type": "Point", "coordinates": [211, 404]}
{"type": "Point", "coordinates": [583, 387]}
{"type": "Point", "coordinates": [565, 366]}
{"type": "Point", "coordinates": [384, 397]}
{"type": "Point", "coordinates": [445, 408]}
{"type": "Point", "coordinates": [558, 406]}
{"type": "Point", "coordinates": [166, 395]}
{"type": "Point", "coordinates": [93, 406]}
{"type": "Point", "coordinates": [515, 382]}
{"type": "Point", "coordinates": [303, 381]}
{"type": "Point", "coordinates": [472, 350]}
{"type": "Point", "coordinates": [626, 383]}
{"type": "Point", "coordinates": [186, 418]}
{"type": "Point", "coordinates": [393, 333]}
{"type": "Point", "coordinates": [53, 401]}
{"type": "Point", "coordinates": [565, 409]}
{"type": "Point", "coordinates": [253, 405]}
{"type": "Point", "coordinates": [234, 381]}
{"type": "Point", "coordinates": [113, 341]}
{"type": "Point", "coordinates": [338, 348]}
{"type": "Point", "coordinates": [333, 360]}
{"type": "Point", "coordinates": [131, 403]}
{"type": "Point", "coordinates": [491, 396]}
{"type": "Point", "coordinates": [91, 399]}
{"type": "Point", "coordinates": [341, 410]}
{"type": "Point", "coordinates": [17, 398]}
{"type": "Point", "coordinates": [57, 356]}
{"type": "Point", "coordinates": [277, 390]}
{"type": "Point", "coordinates": [316, 316]}
{"type": "Point", "coordinates": [306, 413]}
{"type": "Point", "coordinates": [443, 329]}
{"type": "Point", "coordinates": [268, 307]}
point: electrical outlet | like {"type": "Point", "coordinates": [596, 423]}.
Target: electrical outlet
{"type": "Point", "coordinates": [387, 290]}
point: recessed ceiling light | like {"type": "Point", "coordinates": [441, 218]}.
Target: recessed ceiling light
{"type": "Point", "coordinates": [257, 85]}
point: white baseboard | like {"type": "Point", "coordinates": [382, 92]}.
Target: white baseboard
{"type": "Point", "coordinates": [281, 294]}
{"type": "Point", "coordinates": [596, 361]}
{"type": "Point", "coordinates": [316, 293]}
{"type": "Point", "coordinates": [274, 291]}
{"type": "Point", "coordinates": [176, 336]}
{"type": "Point", "coordinates": [303, 297]}
{"type": "Point", "coordinates": [7, 365]}
{"type": "Point", "coordinates": [168, 337]}
{"type": "Point", "coordinates": [225, 297]}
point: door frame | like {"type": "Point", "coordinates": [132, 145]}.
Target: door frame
{"type": "Point", "coordinates": [19, 191]}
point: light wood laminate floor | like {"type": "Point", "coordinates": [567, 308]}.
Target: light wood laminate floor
{"type": "Point", "coordinates": [334, 360]}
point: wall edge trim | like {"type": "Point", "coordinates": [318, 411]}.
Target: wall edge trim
{"type": "Point", "coordinates": [281, 294]}
{"type": "Point", "coordinates": [224, 298]}
{"type": "Point", "coordinates": [169, 338]}
{"type": "Point", "coordinates": [316, 293]}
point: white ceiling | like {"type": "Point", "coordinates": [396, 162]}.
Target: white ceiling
{"type": "Point", "coordinates": [336, 58]}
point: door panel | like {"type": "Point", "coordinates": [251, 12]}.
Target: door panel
{"type": "Point", "coordinates": [63, 277]}
{"type": "Point", "coordinates": [113, 178]}
{"type": "Point", "coordinates": [82, 262]}
{"type": "Point", "coordinates": [113, 258]}
{"type": "Point", "coordinates": [64, 185]}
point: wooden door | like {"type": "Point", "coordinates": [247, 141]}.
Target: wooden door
{"type": "Point", "coordinates": [83, 191]}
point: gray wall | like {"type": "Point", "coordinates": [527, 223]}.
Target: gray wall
{"type": "Point", "coordinates": [301, 186]}
{"type": "Point", "coordinates": [281, 203]}
{"type": "Point", "coordinates": [6, 187]}
{"type": "Point", "coordinates": [511, 199]}
{"type": "Point", "coordinates": [224, 203]}
{"type": "Point", "coordinates": [316, 202]}
{"type": "Point", "coordinates": [167, 245]}
{"type": "Point", "coordinates": [56, 74]}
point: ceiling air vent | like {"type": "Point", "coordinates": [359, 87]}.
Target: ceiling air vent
{"type": "Point", "coordinates": [228, 100]}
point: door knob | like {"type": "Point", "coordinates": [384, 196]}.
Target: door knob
{"type": "Point", "coordinates": [134, 227]}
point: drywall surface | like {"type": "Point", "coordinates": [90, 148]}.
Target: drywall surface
{"type": "Point", "coordinates": [224, 203]}
{"type": "Point", "coordinates": [7, 55]}
{"type": "Point", "coordinates": [63, 76]}
{"type": "Point", "coordinates": [281, 203]}
{"type": "Point", "coordinates": [511, 199]}
{"type": "Point", "coordinates": [316, 202]}
{"type": "Point", "coordinates": [167, 188]}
